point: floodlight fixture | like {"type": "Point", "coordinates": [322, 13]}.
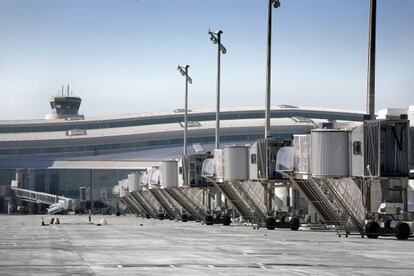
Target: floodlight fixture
{"type": "Point", "coordinates": [216, 39]}
{"type": "Point", "coordinates": [276, 3]}
{"type": "Point", "coordinates": [184, 72]}
{"type": "Point", "coordinates": [223, 49]}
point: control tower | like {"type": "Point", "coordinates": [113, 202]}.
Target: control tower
{"type": "Point", "coordinates": [65, 106]}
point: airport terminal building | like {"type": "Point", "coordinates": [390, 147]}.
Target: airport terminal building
{"type": "Point", "coordinates": [66, 151]}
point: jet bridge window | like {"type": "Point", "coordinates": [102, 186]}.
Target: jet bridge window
{"type": "Point", "coordinates": [356, 148]}
{"type": "Point", "coordinates": [253, 158]}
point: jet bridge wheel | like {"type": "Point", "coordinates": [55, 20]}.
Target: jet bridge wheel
{"type": "Point", "coordinates": [184, 217]}
{"type": "Point", "coordinates": [209, 220]}
{"type": "Point", "coordinates": [372, 230]}
{"type": "Point", "coordinates": [402, 231]}
{"type": "Point", "coordinates": [294, 224]}
{"type": "Point", "coordinates": [226, 220]}
{"type": "Point", "coordinates": [270, 223]}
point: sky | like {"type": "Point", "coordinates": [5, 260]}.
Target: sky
{"type": "Point", "coordinates": [121, 56]}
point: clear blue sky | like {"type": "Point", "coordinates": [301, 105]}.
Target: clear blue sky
{"type": "Point", "coordinates": [121, 56]}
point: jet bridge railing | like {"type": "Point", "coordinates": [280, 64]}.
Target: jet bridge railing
{"type": "Point", "coordinates": [337, 201]}
{"type": "Point", "coordinates": [149, 210]}
{"type": "Point", "coordinates": [247, 197]}
{"type": "Point", "coordinates": [190, 199]}
{"type": "Point", "coordinates": [164, 202]}
{"type": "Point", "coordinates": [349, 197]}
{"type": "Point", "coordinates": [133, 205]}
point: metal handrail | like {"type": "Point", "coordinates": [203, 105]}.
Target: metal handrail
{"type": "Point", "coordinates": [142, 201]}
{"type": "Point", "coordinates": [348, 206]}
{"type": "Point", "coordinates": [156, 193]}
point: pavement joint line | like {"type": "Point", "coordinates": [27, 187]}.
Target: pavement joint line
{"type": "Point", "coordinates": [252, 265]}
{"type": "Point", "coordinates": [161, 247]}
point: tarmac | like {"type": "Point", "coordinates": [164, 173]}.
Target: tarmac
{"type": "Point", "coordinates": [128, 245]}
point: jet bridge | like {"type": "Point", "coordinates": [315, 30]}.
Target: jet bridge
{"type": "Point", "coordinates": [230, 171]}
{"type": "Point", "coordinates": [248, 176]}
{"type": "Point", "coordinates": [57, 203]}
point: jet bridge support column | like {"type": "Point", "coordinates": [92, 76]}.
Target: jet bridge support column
{"type": "Point", "coordinates": [368, 197]}
{"type": "Point", "coordinates": [269, 198]}
{"type": "Point", "coordinates": [218, 200]}
{"type": "Point", "coordinates": [31, 176]}
{"type": "Point", "coordinates": [20, 177]}
{"type": "Point", "coordinates": [209, 201]}
{"type": "Point", "coordinates": [405, 199]}
{"type": "Point", "coordinates": [293, 200]}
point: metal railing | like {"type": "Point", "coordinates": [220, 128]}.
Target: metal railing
{"type": "Point", "coordinates": [349, 196]}
{"type": "Point", "coordinates": [247, 198]}
{"type": "Point", "coordinates": [337, 201]}
{"type": "Point", "coordinates": [149, 210]}
{"type": "Point", "coordinates": [163, 202]}
{"type": "Point", "coordinates": [133, 205]}
{"type": "Point", "coordinates": [189, 199]}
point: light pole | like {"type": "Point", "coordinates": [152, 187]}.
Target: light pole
{"type": "Point", "coordinates": [269, 190]}
{"type": "Point", "coordinates": [91, 195]}
{"type": "Point", "coordinates": [275, 4]}
{"type": "Point", "coordinates": [184, 72]}
{"type": "Point", "coordinates": [216, 39]}
{"type": "Point", "coordinates": [370, 109]}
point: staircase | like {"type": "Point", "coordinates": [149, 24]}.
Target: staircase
{"type": "Point", "coordinates": [189, 199]}
{"type": "Point", "coordinates": [177, 208]}
{"type": "Point", "coordinates": [144, 204]}
{"type": "Point", "coordinates": [337, 201]}
{"type": "Point", "coordinates": [133, 205]}
{"type": "Point", "coordinates": [349, 197]}
{"type": "Point", "coordinates": [247, 198]}
{"type": "Point", "coordinates": [152, 201]}
{"type": "Point", "coordinates": [168, 207]}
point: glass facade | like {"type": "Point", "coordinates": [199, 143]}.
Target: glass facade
{"type": "Point", "coordinates": [63, 182]}
{"type": "Point", "coordinates": [6, 176]}
{"type": "Point", "coordinates": [412, 147]}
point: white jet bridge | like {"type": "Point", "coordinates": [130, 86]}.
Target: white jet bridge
{"type": "Point", "coordinates": [57, 203]}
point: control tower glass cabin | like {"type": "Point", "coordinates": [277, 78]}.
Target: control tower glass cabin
{"type": "Point", "coordinates": [65, 107]}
